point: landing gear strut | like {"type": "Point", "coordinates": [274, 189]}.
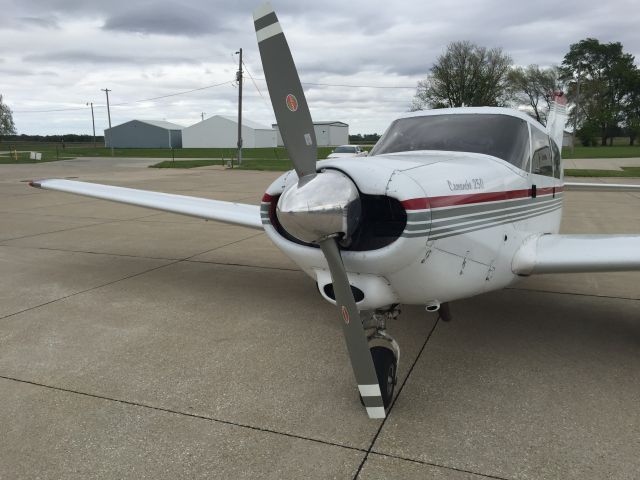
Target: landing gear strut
{"type": "Point", "coordinates": [384, 350]}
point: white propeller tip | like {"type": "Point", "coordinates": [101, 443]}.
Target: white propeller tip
{"type": "Point", "coordinates": [263, 10]}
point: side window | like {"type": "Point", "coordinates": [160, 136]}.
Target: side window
{"type": "Point", "coordinates": [542, 161]}
{"type": "Point", "coordinates": [557, 161]}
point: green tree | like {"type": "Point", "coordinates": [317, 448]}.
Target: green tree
{"type": "Point", "coordinates": [7, 127]}
{"type": "Point", "coordinates": [466, 74]}
{"type": "Point", "coordinates": [603, 72]}
{"type": "Point", "coordinates": [632, 108]}
{"type": "Point", "coordinates": [535, 87]}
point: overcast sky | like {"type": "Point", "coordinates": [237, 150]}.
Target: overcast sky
{"type": "Point", "coordinates": [58, 54]}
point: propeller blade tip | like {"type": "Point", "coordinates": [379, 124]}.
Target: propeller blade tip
{"type": "Point", "coordinates": [262, 11]}
{"type": "Point", "coordinates": [376, 412]}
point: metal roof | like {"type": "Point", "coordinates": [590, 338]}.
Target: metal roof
{"type": "Point", "coordinates": [245, 122]}
{"type": "Point", "coordinates": [158, 123]}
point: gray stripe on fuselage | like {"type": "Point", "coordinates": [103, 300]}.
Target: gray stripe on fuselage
{"type": "Point", "coordinates": [418, 216]}
{"type": "Point", "coordinates": [417, 226]}
{"type": "Point", "coordinates": [481, 216]}
{"type": "Point", "coordinates": [487, 223]}
{"type": "Point", "coordinates": [461, 231]}
{"type": "Point", "coordinates": [447, 212]}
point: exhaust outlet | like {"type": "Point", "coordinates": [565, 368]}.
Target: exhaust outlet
{"type": "Point", "coordinates": [433, 306]}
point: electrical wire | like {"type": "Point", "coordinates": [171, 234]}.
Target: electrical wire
{"type": "Point", "coordinates": [125, 103]}
{"type": "Point", "coordinates": [353, 86]}
{"type": "Point", "coordinates": [253, 80]}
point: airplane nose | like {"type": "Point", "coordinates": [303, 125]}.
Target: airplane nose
{"type": "Point", "coordinates": [316, 208]}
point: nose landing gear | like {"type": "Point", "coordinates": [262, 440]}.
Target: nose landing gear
{"type": "Point", "coordinates": [385, 351]}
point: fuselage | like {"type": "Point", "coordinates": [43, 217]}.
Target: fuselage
{"type": "Point", "coordinates": [437, 225]}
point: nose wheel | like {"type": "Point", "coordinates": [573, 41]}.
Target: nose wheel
{"type": "Point", "coordinates": [385, 351]}
{"type": "Point", "coordinates": [387, 371]}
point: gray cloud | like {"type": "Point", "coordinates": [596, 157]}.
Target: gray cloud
{"type": "Point", "coordinates": [168, 19]}
{"type": "Point", "coordinates": [75, 57]}
{"type": "Point", "coordinates": [41, 22]}
{"type": "Point", "coordinates": [148, 49]}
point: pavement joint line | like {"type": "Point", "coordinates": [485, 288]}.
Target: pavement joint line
{"type": "Point", "coordinates": [393, 402]}
{"type": "Point", "coordinates": [185, 414]}
{"type": "Point", "coordinates": [78, 227]}
{"type": "Point", "coordinates": [190, 259]}
{"type": "Point", "coordinates": [444, 467]}
{"type": "Point", "coordinates": [90, 289]}
{"type": "Point", "coordinates": [47, 215]}
{"type": "Point", "coordinates": [51, 205]}
{"type": "Point", "coordinates": [280, 269]}
{"type": "Point", "coordinates": [123, 278]}
{"type": "Point", "coordinates": [593, 295]}
{"type": "Point", "coordinates": [91, 253]}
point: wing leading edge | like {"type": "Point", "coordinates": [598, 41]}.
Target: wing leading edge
{"type": "Point", "coordinates": [577, 253]}
{"type": "Point", "coordinates": [228, 212]}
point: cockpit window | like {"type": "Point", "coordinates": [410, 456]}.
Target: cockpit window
{"type": "Point", "coordinates": [501, 136]}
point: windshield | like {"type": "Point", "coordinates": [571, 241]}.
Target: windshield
{"type": "Point", "coordinates": [345, 149]}
{"type": "Point", "coordinates": [501, 136]}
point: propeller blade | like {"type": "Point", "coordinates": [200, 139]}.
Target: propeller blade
{"type": "Point", "coordinates": [354, 333]}
{"type": "Point", "coordinates": [287, 97]}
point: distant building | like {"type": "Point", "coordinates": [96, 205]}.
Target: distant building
{"type": "Point", "coordinates": [328, 134]}
{"type": "Point", "coordinates": [221, 131]}
{"type": "Point", "coordinates": [144, 134]}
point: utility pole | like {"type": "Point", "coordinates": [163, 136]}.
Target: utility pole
{"type": "Point", "coordinates": [106, 90]}
{"type": "Point", "coordinates": [239, 79]}
{"type": "Point", "coordinates": [93, 122]}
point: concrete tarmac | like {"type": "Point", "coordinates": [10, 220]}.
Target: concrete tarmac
{"type": "Point", "coordinates": [141, 344]}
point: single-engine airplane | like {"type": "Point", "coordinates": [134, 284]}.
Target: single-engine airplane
{"type": "Point", "coordinates": [449, 204]}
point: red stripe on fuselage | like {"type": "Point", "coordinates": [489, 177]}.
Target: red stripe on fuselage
{"type": "Point", "coordinates": [267, 198]}
{"type": "Point", "coordinates": [455, 200]}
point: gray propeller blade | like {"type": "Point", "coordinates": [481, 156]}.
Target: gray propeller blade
{"type": "Point", "coordinates": [287, 97]}
{"type": "Point", "coordinates": [354, 332]}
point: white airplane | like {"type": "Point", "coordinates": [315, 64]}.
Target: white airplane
{"type": "Point", "coordinates": [449, 204]}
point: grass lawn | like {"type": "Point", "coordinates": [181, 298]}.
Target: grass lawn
{"type": "Point", "coordinates": [52, 152]}
{"type": "Point", "coordinates": [625, 172]}
{"type": "Point", "coordinates": [616, 151]}
{"type": "Point", "coordinates": [247, 164]}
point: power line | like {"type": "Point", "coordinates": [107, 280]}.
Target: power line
{"type": "Point", "coordinates": [185, 92]}
{"type": "Point", "coordinates": [412, 87]}
{"type": "Point", "coordinates": [125, 103]}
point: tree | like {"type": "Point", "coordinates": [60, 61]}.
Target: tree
{"type": "Point", "coordinates": [535, 87]}
{"type": "Point", "coordinates": [603, 72]}
{"type": "Point", "coordinates": [7, 126]}
{"type": "Point", "coordinates": [632, 108]}
{"type": "Point", "coordinates": [466, 74]}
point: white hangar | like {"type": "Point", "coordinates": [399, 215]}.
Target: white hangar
{"type": "Point", "coordinates": [328, 134]}
{"type": "Point", "coordinates": [144, 134]}
{"type": "Point", "coordinates": [221, 131]}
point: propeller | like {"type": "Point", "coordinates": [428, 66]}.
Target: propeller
{"type": "Point", "coordinates": [322, 208]}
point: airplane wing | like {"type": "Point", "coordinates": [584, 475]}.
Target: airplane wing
{"type": "Point", "coordinates": [228, 212]}
{"type": "Point", "coordinates": [601, 187]}
{"type": "Point", "coordinates": [553, 253]}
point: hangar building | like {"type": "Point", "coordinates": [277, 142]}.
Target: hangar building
{"type": "Point", "coordinates": [221, 131]}
{"type": "Point", "coordinates": [328, 134]}
{"type": "Point", "coordinates": [144, 134]}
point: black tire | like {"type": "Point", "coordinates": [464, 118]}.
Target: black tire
{"type": "Point", "coordinates": [387, 371]}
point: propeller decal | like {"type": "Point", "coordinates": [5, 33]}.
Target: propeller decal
{"type": "Point", "coordinates": [292, 102]}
